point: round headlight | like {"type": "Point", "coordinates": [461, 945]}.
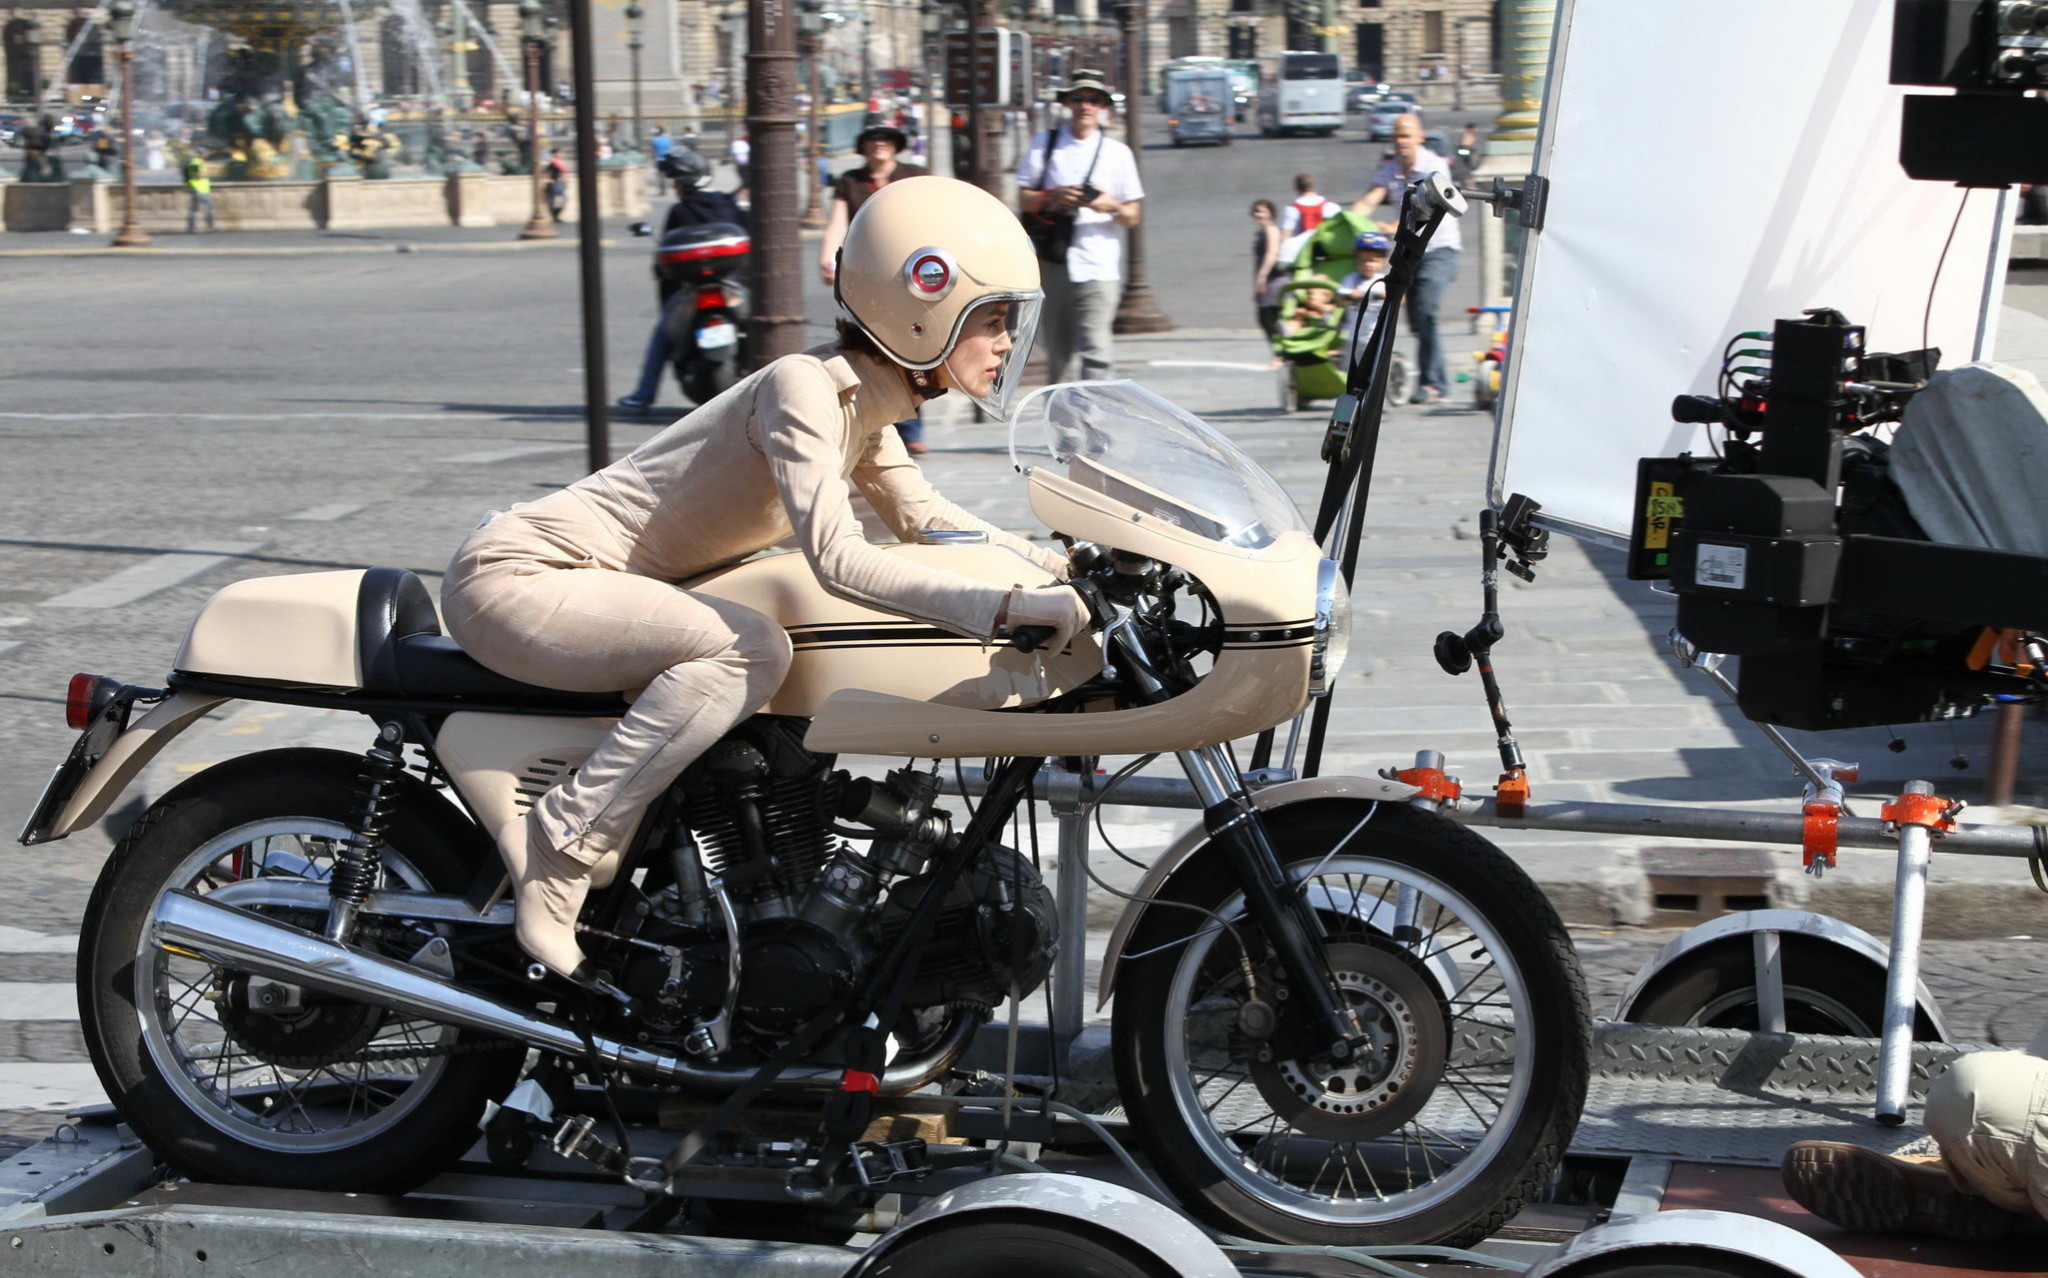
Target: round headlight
{"type": "Point", "coordinates": [1333, 628]}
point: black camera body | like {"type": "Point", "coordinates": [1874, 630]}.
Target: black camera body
{"type": "Point", "coordinates": [1992, 52]}
{"type": "Point", "coordinates": [1794, 550]}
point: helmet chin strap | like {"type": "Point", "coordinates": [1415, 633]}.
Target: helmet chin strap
{"type": "Point", "coordinates": [924, 383]}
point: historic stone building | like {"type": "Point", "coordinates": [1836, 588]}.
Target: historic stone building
{"type": "Point", "coordinates": [1400, 40]}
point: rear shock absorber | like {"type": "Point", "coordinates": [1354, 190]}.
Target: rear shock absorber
{"type": "Point", "coordinates": [359, 861]}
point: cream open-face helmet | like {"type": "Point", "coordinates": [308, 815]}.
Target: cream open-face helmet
{"type": "Point", "coordinates": [924, 256]}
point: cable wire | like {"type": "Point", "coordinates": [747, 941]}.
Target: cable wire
{"type": "Point", "coordinates": [1927, 316]}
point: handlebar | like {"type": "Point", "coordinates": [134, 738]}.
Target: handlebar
{"type": "Point", "coordinates": [1100, 613]}
{"type": "Point", "coordinates": [1030, 638]}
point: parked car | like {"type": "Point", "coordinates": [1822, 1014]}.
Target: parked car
{"type": "Point", "coordinates": [1363, 95]}
{"type": "Point", "coordinates": [1379, 125]}
{"type": "Point", "coordinates": [11, 124]}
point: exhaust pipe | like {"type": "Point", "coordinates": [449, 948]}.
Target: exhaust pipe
{"type": "Point", "coordinates": [256, 945]}
{"type": "Point", "coordinates": [251, 943]}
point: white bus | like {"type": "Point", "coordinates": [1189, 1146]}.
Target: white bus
{"type": "Point", "coordinates": [1300, 93]}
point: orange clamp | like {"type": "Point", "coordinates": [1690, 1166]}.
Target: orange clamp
{"type": "Point", "coordinates": [1511, 794]}
{"type": "Point", "coordinates": [1823, 820]}
{"type": "Point", "coordinates": [1930, 810]}
{"type": "Point", "coordinates": [1435, 786]}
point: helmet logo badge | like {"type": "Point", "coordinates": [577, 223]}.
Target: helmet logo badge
{"type": "Point", "coordinates": [930, 272]}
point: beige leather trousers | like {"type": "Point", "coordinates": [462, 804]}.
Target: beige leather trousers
{"type": "Point", "coordinates": [1989, 1114]}
{"type": "Point", "coordinates": [519, 599]}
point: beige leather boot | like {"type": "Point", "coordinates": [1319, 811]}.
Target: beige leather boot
{"type": "Point", "coordinates": [548, 890]}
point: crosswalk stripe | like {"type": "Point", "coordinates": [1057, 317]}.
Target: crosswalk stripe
{"type": "Point", "coordinates": [30, 1085]}
{"type": "Point", "coordinates": [158, 572]}
{"type": "Point", "coordinates": [19, 940]}
{"type": "Point", "coordinates": [38, 1001]}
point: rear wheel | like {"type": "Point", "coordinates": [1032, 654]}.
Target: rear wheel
{"type": "Point", "coordinates": [1828, 990]}
{"type": "Point", "coordinates": [1456, 966]}
{"type": "Point", "coordinates": [708, 376]}
{"type": "Point", "coordinates": [264, 1083]}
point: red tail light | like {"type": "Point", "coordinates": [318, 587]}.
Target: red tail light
{"type": "Point", "coordinates": [708, 297]}
{"type": "Point", "coordinates": [78, 701]}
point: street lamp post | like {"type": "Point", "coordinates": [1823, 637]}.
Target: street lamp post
{"type": "Point", "coordinates": [811, 30]}
{"type": "Point", "coordinates": [1138, 312]}
{"type": "Point", "coordinates": [121, 25]}
{"type": "Point", "coordinates": [634, 14]}
{"type": "Point", "coordinates": [531, 33]}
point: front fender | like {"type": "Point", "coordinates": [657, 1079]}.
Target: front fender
{"type": "Point", "coordinates": [125, 759]}
{"type": "Point", "coordinates": [1353, 789]}
{"type": "Point", "coordinates": [1711, 1233]}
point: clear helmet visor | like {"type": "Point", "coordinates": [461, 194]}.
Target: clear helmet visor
{"type": "Point", "coordinates": [987, 361]}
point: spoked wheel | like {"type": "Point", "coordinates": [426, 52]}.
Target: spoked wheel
{"type": "Point", "coordinates": [247, 1081]}
{"type": "Point", "coordinates": [1462, 977]}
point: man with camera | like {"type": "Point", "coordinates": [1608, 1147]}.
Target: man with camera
{"type": "Point", "coordinates": [1075, 186]}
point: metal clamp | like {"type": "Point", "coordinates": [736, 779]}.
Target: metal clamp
{"type": "Point", "coordinates": [1930, 811]}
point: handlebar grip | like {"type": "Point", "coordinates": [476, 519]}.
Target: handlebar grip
{"type": "Point", "coordinates": [1696, 410]}
{"type": "Point", "coordinates": [1030, 638]}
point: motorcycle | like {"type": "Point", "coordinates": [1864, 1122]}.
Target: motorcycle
{"type": "Point", "coordinates": [1339, 1018]}
{"type": "Point", "coordinates": [706, 316]}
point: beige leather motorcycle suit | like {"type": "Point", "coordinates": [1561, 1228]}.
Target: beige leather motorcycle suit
{"type": "Point", "coordinates": [576, 591]}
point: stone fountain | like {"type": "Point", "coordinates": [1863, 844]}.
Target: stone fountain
{"type": "Point", "coordinates": [280, 115]}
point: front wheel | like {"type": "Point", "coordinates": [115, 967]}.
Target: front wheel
{"type": "Point", "coordinates": [265, 1083]}
{"type": "Point", "coordinates": [1459, 971]}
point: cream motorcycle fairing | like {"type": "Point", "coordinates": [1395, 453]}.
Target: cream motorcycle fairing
{"type": "Point", "coordinates": [1261, 676]}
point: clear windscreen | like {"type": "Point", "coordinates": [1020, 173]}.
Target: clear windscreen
{"type": "Point", "coordinates": [1123, 441]}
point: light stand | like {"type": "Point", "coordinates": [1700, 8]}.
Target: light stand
{"type": "Point", "coordinates": [634, 14]}
{"type": "Point", "coordinates": [121, 25]}
{"type": "Point", "coordinates": [532, 34]}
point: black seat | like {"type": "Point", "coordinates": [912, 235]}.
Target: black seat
{"type": "Point", "coordinates": [403, 653]}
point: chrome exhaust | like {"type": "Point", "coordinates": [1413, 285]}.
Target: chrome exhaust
{"type": "Point", "coordinates": [256, 945]}
{"type": "Point", "coordinates": [250, 943]}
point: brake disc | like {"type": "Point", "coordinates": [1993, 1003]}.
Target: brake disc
{"type": "Point", "coordinates": [1384, 1084]}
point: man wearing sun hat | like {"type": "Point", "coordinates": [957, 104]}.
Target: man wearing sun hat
{"type": "Point", "coordinates": [1076, 186]}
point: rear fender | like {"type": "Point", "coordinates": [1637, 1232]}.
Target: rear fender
{"type": "Point", "coordinates": [1361, 790]}
{"type": "Point", "coordinates": [126, 758]}
{"type": "Point", "coordinates": [1710, 1234]}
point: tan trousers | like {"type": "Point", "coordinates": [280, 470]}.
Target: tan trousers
{"type": "Point", "coordinates": [704, 665]}
{"type": "Point", "coordinates": [1989, 1114]}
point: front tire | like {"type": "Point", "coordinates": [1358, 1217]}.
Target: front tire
{"type": "Point", "coordinates": [332, 1095]}
{"type": "Point", "coordinates": [1456, 964]}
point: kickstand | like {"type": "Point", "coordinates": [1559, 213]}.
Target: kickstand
{"type": "Point", "coordinates": [1508, 537]}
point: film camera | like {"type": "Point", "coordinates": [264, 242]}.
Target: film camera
{"type": "Point", "coordinates": [1794, 546]}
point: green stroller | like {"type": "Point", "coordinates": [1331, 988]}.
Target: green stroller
{"type": "Point", "coordinates": [1312, 357]}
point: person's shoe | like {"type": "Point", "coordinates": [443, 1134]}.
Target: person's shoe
{"type": "Point", "coordinates": [1867, 1192]}
{"type": "Point", "coordinates": [916, 447]}
{"type": "Point", "coordinates": [548, 889]}
{"type": "Point", "coordinates": [633, 404]}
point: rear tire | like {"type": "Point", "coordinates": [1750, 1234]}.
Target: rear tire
{"type": "Point", "coordinates": [1828, 990]}
{"type": "Point", "coordinates": [707, 377]}
{"type": "Point", "coordinates": [249, 1117]}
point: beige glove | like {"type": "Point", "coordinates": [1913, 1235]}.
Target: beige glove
{"type": "Point", "coordinates": [1057, 606]}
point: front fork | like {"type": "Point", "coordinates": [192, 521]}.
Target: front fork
{"type": "Point", "coordinates": [1234, 824]}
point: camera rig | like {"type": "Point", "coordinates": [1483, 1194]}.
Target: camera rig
{"type": "Point", "coordinates": [1794, 549]}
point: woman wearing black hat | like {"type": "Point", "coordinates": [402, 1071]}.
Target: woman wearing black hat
{"type": "Point", "coordinates": [879, 145]}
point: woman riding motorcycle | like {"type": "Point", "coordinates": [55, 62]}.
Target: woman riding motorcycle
{"type": "Point", "coordinates": [576, 591]}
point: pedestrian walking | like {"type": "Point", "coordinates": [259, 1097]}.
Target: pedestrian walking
{"type": "Point", "coordinates": [480, 148]}
{"type": "Point", "coordinates": [558, 183]}
{"type": "Point", "coordinates": [1308, 208]}
{"type": "Point", "coordinates": [105, 154]}
{"type": "Point", "coordinates": [1266, 266]}
{"type": "Point", "coordinates": [660, 144]}
{"type": "Point", "coordinates": [201, 188]}
{"type": "Point", "coordinates": [1409, 161]}
{"type": "Point", "coordinates": [879, 146]}
{"type": "Point", "coordinates": [741, 154]}
{"type": "Point", "coordinates": [1988, 1114]}
{"type": "Point", "coordinates": [1075, 186]}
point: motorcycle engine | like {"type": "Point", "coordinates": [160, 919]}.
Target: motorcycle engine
{"type": "Point", "coordinates": [817, 911]}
